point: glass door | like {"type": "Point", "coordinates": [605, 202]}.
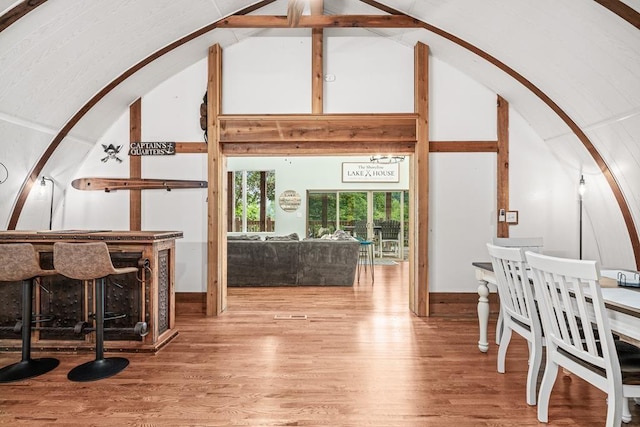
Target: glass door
{"type": "Point", "coordinates": [391, 222]}
{"type": "Point", "coordinates": [322, 213]}
{"type": "Point", "coordinates": [354, 212]}
{"type": "Point", "coordinates": [364, 214]}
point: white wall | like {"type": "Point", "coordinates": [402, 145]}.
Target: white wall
{"type": "Point", "coordinates": [309, 173]}
{"type": "Point", "coordinates": [271, 75]}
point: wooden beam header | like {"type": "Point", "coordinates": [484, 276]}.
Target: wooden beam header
{"type": "Point", "coordinates": [365, 128]}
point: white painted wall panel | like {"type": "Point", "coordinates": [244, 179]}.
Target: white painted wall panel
{"type": "Point", "coordinates": [371, 76]}
{"type": "Point", "coordinates": [460, 109]}
{"type": "Point", "coordinates": [20, 148]}
{"type": "Point", "coordinates": [462, 194]}
{"type": "Point", "coordinates": [98, 209]}
{"type": "Point", "coordinates": [267, 75]}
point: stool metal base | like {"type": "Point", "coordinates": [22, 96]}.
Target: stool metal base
{"type": "Point", "coordinates": [27, 369]}
{"type": "Point", "coordinates": [98, 369]}
{"type": "Point", "coordinates": [365, 256]}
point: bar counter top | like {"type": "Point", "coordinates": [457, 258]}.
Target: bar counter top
{"type": "Point", "coordinates": [33, 236]}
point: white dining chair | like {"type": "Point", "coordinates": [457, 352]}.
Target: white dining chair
{"type": "Point", "coordinates": [569, 298]}
{"type": "Point", "coordinates": [519, 310]}
{"type": "Point", "coordinates": [534, 244]}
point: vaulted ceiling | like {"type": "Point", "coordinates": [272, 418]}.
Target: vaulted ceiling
{"type": "Point", "coordinates": [68, 69]}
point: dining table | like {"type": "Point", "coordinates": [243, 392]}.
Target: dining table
{"type": "Point", "coordinates": [621, 303]}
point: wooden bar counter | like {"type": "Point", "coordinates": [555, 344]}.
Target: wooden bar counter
{"type": "Point", "coordinates": [148, 296]}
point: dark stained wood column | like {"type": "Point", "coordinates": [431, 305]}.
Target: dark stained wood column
{"type": "Point", "coordinates": [503, 164]}
{"type": "Point", "coordinates": [135, 166]}
{"type": "Point", "coordinates": [317, 61]}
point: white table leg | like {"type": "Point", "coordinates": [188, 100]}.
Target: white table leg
{"type": "Point", "coordinates": [483, 315]}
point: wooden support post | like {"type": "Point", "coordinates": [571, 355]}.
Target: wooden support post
{"type": "Point", "coordinates": [503, 164]}
{"type": "Point", "coordinates": [263, 201]}
{"type": "Point", "coordinates": [217, 227]}
{"type": "Point", "coordinates": [231, 201]}
{"type": "Point", "coordinates": [419, 226]}
{"type": "Point", "coordinates": [135, 166]}
{"type": "Point", "coordinates": [317, 62]}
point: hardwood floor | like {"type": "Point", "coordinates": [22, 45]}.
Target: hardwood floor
{"type": "Point", "coordinates": [358, 359]}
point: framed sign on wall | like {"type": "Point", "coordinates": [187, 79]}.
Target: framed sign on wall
{"type": "Point", "coordinates": [370, 172]}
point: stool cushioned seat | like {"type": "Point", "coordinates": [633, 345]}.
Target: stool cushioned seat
{"type": "Point", "coordinates": [85, 261]}
{"type": "Point", "coordinates": [91, 261]}
{"type": "Point", "coordinates": [20, 262]}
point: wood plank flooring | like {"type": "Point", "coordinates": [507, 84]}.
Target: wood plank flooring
{"type": "Point", "coordinates": [358, 359]}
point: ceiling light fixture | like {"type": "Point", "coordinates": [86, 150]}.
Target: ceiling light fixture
{"type": "Point", "coordinates": [386, 158]}
{"type": "Point", "coordinates": [43, 185]}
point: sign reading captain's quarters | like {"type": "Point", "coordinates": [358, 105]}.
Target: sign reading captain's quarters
{"type": "Point", "coordinates": [370, 172]}
{"type": "Point", "coordinates": [152, 148]}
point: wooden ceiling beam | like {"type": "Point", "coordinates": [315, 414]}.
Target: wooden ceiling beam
{"type": "Point", "coordinates": [321, 21]}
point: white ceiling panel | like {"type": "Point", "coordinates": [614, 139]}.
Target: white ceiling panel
{"type": "Point", "coordinates": [7, 5]}
{"type": "Point", "coordinates": [229, 7]}
{"type": "Point", "coordinates": [72, 57]}
{"type": "Point", "coordinates": [634, 4]}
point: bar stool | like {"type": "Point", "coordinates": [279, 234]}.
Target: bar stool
{"type": "Point", "coordinates": [365, 256]}
{"type": "Point", "coordinates": [91, 261]}
{"type": "Point", "coordinates": [19, 261]}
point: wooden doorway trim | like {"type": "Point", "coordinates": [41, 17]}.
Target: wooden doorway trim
{"type": "Point", "coordinates": [314, 135]}
{"type": "Point", "coordinates": [419, 188]}
{"type": "Point", "coordinates": [216, 191]}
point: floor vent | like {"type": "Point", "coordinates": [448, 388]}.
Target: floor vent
{"type": "Point", "coordinates": [290, 317]}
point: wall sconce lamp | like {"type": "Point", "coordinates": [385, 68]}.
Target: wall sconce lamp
{"type": "Point", "coordinates": [384, 158]}
{"type": "Point", "coordinates": [582, 188]}
{"type": "Point", "coordinates": [43, 184]}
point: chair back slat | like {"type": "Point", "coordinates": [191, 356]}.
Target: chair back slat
{"type": "Point", "coordinates": [571, 304]}
{"type": "Point", "coordinates": [390, 229]}
{"type": "Point", "coordinates": [514, 288]}
{"type": "Point", "coordinates": [360, 229]}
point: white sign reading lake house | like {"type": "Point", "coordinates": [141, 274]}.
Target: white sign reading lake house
{"type": "Point", "coordinates": [370, 172]}
{"type": "Point", "coordinates": [152, 148]}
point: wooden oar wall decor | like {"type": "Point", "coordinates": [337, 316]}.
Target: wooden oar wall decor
{"type": "Point", "coordinates": [109, 184]}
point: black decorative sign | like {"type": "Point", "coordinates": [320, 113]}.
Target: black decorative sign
{"type": "Point", "coordinates": [152, 148]}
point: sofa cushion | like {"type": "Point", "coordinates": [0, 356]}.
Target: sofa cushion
{"type": "Point", "coordinates": [288, 237]}
{"type": "Point", "coordinates": [252, 237]}
{"type": "Point", "coordinates": [262, 263]}
{"type": "Point", "coordinates": [328, 262]}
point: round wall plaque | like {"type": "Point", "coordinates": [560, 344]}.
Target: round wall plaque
{"type": "Point", "coordinates": [289, 201]}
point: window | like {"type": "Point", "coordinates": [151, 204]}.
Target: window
{"type": "Point", "coordinates": [252, 201]}
{"type": "Point", "coordinates": [321, 213]}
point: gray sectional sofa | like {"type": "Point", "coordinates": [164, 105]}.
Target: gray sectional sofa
{"type": "Point", "coordinates": [289, 262]}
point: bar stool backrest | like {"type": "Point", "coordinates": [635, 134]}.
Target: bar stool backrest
{"type": "Point", "coordinates": [82, 261]}
{"type": "Point", "coordinates": [19, 261]}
